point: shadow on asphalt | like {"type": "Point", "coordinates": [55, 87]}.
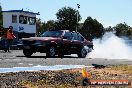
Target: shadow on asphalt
{"type": "Point", "coordinates": [46, 57]}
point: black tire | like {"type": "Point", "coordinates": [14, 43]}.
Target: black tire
{"type": "Point", "coordinates": [82, 53]}
{"type": "Point", "coordinates": [85, 82]}
{"type": "Point", "coordinates": [27, 53]}
{"type": "Point", "coordinates": [51, 52]}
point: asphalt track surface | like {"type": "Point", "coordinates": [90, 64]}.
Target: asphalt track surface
{"type": "Point", "coordinates": [16, 59]}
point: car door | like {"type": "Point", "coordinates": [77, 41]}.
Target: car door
{"type": "Point", "coordinates": [67, 41]}
{"type": "Point", "coordinates": [76, 43]}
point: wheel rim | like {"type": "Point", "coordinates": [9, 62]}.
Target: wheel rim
{"type": "Point", "coordinates": [52, 51]}
{"type": "Point", "coordinates": [83, 52]}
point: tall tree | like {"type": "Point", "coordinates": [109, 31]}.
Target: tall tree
{"type": "Point", "coordinates": [44, 26]}
{"type": "Point", "coordinates": [39, 25]}
{"type": "Point", "coordinates": [92, 29]}
{"type": "Point", "coordinates": [109, 29]}
{"type": "Point", "coordinates": [121, 29]}
{"type": "Point", "coordinates": [67, 18]}
{"type": "Point", "coordinates": [1, 17]}
{"type": "Point", "coordinates": [50, 24]}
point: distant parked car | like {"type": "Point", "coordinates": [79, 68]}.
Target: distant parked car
{"type": "Point", "coordinates": [57, 42]}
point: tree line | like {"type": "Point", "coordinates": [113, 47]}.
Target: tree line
{"type": "Point", "coordinates": [90, 29]}
{"type": "Point", "coordinates": [68, 19]}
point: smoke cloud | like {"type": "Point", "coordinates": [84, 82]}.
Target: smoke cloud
{"type": "Point", "coordinates": [111, 47]}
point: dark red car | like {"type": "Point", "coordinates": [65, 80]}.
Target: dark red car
{"type": "Point", "coordinates": [53, 42]}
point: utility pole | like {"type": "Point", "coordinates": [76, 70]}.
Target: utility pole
{"type": "Point", "coordinates": [77, 21]}
{"type": "Point", "coordinates": [78, 6]}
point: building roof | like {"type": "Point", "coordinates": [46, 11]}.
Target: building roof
{"type": "Point", "coordinates": [22, 11]}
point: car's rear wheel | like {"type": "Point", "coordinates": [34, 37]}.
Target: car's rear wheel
{"type": "Point", "coordinates": [51, 52]}
{"type": "Point", "coordinates": [82, 53]}
{"type": "Point", "coordinates": [27, 52]}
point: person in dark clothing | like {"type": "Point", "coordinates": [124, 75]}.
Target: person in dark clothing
{"type": "Point", "coordinates": [10, 37]}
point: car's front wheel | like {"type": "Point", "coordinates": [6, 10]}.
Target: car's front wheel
{"type": "Point", "coordinates": [51, 52]}
{"type": "Point", "coordinates": [82, 53]}
{"type": "Point", "coordinates": [27, 53]}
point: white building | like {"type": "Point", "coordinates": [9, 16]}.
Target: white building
{"type": "Point", "coordinates": [23, 22]}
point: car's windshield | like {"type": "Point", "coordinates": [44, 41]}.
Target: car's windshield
{"type": "Point", "coordinates": [51, 34]}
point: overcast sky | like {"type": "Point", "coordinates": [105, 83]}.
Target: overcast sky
{"type": "Point", "coordinates": [108, 12]}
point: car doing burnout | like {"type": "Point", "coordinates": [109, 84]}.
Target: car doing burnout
{"type": "Point", "coordinates": [57, 42]}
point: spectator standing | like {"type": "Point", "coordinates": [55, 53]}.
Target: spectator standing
{"type": "Point", "coordinates": [10, 37]}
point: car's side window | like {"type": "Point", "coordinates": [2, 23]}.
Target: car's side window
{"type": "Point", "coordinates": [68, 36]}
{"type": "Point", "coordinates": [75, 36]}
{"type": "Point", "coordinates": [80, 38]}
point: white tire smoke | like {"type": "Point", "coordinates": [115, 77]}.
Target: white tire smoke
{"type": "Point", "coordinates": [111, 47]}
